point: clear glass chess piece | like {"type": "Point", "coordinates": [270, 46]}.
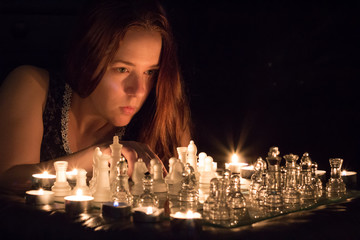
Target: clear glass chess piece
{"type": "Point", "coordinates": [189, 194]}
{"type": "Point", "coordinates": [121, 191]}
{"type": "Point", "coordinates": [148, 198]}
{"type": "Point", "coordinates": [274, 200]}
{"type": "Point", "coordinates": [291, 195]}
{"type": "Point", "coordinates": [306, 189]}
{"type": "Point", "coordinates": [316, 181]}
{"type": "Point", "coordinates": [237, 202]}
{"type": "Point", "coordinates": [211, 199]}
{"type": "Point", "coordinates": [256, 178]}
{"type": "Point", "coordinates": [335, 187]}
{"type": "Point", "coordinates": [220, 212]}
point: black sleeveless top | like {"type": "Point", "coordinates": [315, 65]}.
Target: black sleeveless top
{"type": "Point", "coordinates": [55, 120]}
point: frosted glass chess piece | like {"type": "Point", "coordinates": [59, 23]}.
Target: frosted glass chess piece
{"type": "Point", "coordinates": [159, 184]}
{"type": "Point", "coordinates": [182, 154]}
{"type": "Point", "coordinates": [237, 202]}
{"type": "Point", "coordinates": [152, 164]}
{"type": "Point", "coordinates": [175, 177]}
{"type": "Point", "coordinates": [256, 178]}
{"type": "Point", "coordinates": [81, 183]}
{"type": "Point", "coordinates": [191, 158]}
{"type": "Point", "coordinates": [316, 181]}
{"type": "Point", "coordinates": [274, 199]}
{"type": "Point", "coordinates": [121, 191]}
{"type": "Point", "coordinates": [137, 177]}
{"type": "Point", "coordinates": [116, 148]}
{"type": "Point", "coordinates": [189, 195]}
{"type": "Point", "coordinates": [201, 163]}
{"type": "Point", "coordinates": [148, 198]}
{"type": "Point", "coordinates": [306, 189]}
{"type": "Point", "coordinates": [208, 172]}
{"type": "Point", "coordinates": [96, 159]}
{"type": "Point", "coordinates": [61, 187]}
{"type": "Point", "coordinates": [102, 191]}
{"type": "Point", "coordinates": [335, 187]}
{"type": "Point", "coordinates": [291, 195]}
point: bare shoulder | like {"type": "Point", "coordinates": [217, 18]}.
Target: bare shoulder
{"type": "Point", "coordinates": [25, 83]}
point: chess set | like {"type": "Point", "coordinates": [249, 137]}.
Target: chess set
{"type": "Point", "coordinates": [195, 188]}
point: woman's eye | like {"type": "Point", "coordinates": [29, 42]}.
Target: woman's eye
{"type": "Point", "coordinates": [121, 70]}
{"type": "Point", "coordinates": [150, 72]}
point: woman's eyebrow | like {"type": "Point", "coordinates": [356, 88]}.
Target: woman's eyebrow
{"type": "Point", "coordinates": [132, 64]}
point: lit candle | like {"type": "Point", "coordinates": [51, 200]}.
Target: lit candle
{"type": "Point", "coordinates": [116, 210]}
{"type": "Point", "coordinates": [235, 165]}
{"type": "Point", "coordinates": [247, 171]}
{"type": "Point", "coordinates": [349, 178]}
{"type": "Point", "coordinates": [39, 197]}
{"type": "Point", "coordinates": [43, 180]}
{"type": "Point", "coordinates": [188, 215]}
{"type": "Point", "coordinates": [147, 214]}
{"type": "Point", "coordinates": [79, 203]}
{"type": "Point", "coordinates": [181, 221]}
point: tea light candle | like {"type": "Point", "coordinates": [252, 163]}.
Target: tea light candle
{"type": "Point", "coordinates": [116, 210]}
{"type": "Point", "coordinates": [235, 165]}
{"type": "Point", "coordinates": [79, 203]}
{"type": "Point", "coordinates": [190, 220]}
{"type": "Point", "coordinates": [39, 197]}
{"type": "Point", "coordinates": [43, 180]}
{"type": "Point", "coordinates": [147, 214]}
{"type": "Point", "coordinates": [349, 178]}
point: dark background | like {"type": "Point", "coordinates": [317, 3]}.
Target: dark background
{"type": "Point", "coordinates": [258, 73]}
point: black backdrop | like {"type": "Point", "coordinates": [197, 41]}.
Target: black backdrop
{"type": "Point", "coordinates": [258, 73]}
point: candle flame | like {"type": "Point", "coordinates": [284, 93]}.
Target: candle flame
{"type": "Point", "coordinates": [74, 172]}
{"type": "Point", "coordinates": [41, 191]}
{"type": "Point", "coordinates": [116, 203]}
{"type": "Point", "coordinates": [45, 173]}
{"type": "Point", "coordinates": [235, 158]}
{"type": "Point", "coordinates": [149, 210]}
{"type": "Point", "coordinates": [79, 192]}
{"type": "Point", "coordinates": [189, 214]}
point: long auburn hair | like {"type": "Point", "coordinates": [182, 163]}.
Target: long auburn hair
{"type": "Point", "coordinates": [164, 119]}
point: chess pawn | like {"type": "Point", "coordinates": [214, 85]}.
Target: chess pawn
{"type": "Point", "coordinates": [152, 164]}
{"type": "Point", "coordinates": [220, 212]}
{"type": "Point", "coordinates": [335, 187]}
{"type": "Point", "coordinates": [61, 187]}
{"type": "Point", "coordinates": [175, 177]}
{"type": "Point", "coordinates": [148, 198]}
{"type": "Point", "coordinates": [96, 158]}
{"type": "Point", "coordinates": [116, 148]}
{"type": "Point", "coordinates": [182, 152]}
{"type": "Point", "coordinates": [102, 190]}
{"type": "Point", "coordinates": [191, 157]}
{"type": "Point", "coordinates": [201, 163]}
{"type": "Point", "coordinates": [208, 172]}
{"type": "Point", "coordinates": [236, 201]}
{"type": "Point", "coordinates": [121, 192]}
{"type": "Point", "coordinates": [306, 189]}
{"type": "Point", "coordinates": [256, 178]}
{"type": "Point", "coordinates": [81, 183]}
{"type": "Point", "coordinates": [210, 201]}
{"type": "Point", "coordinates": [137, 177]}
{"type": "Point", "coordinates": [316, 181]}
{"type": "Point", "coordinates": [159, 184]}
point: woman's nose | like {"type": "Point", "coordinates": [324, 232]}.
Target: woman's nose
{"type": "Point", "coordinates": [135, 85]}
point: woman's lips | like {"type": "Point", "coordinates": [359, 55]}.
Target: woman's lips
{"type": "Point", "coordinates": [128, 110]}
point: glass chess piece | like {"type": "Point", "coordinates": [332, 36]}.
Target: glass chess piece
{"type": "Point", "coordinates": [237, 202]}
{"type": "Point", "coordinates": [220, 212]}
{"type": "Point", "coordinates": [316, 181]}
{"type": "Point", "coordinates": [256, 178]}
{"type": "Point", "coordinates": [211, 199]}
{"type": "Point", "coordinates": [61, 186]}
{"type": "Point", "coordinates": [335, 187]}
{"type": "Point", "coordinates": [306, 189]}
{"type": "Point", "coordinates": [81, 183]}
{"type": "Point", "coordinates": [188, 195]}
{"type": "Point", "coordinates": [274, 200]}
{"type": "Point", "coordinates": [291, 195]}
{"type": "Point", "coordinates": [147, 198]}
{"type": "Point", "coordinates": [121, 191]}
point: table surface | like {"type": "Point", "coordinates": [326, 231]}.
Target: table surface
{"type": "Point", "coordinates": [331, 221]}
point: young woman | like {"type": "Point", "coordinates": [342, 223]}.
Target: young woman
{"type": "Point", "coordinates": [122, 78]}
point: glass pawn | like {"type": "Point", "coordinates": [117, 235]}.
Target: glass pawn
{"type": "Point", "coordinates": [335, 187]}
{"type": "Point", "coordinates": [256, 178]}
{"type": "Point", "coordinates": [316, 181]}
{"type": "Point", "coordinates": [306, 189]}
{"type": "Point", "coordinates": [237, 202]}
{"type": "Point", "coordinates": [210, 201]}
{"type": "Point", "coordinates": [121, 191]}
{"type": "Point", "coordinates": [148, 198]}
{"type": "Point", "coordinates": [189, 194]}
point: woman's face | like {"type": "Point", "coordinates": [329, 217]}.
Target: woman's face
{"type": "Point", "coordinates": [128, 78]}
